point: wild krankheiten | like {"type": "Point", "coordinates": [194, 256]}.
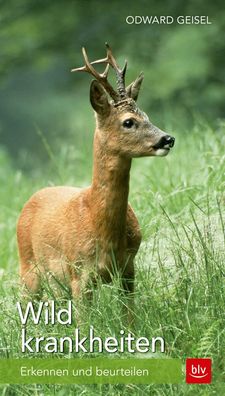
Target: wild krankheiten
{"type": "Point", "coordinates": [48, 312]}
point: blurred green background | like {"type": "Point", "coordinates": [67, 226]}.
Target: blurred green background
{"type": "Point", "coordinates": [41, 40]}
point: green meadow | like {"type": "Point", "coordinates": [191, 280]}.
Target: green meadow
{"type": "Point", "coordinates": [180, 275]}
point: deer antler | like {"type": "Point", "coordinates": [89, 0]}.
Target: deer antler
{"type": "Point", "coordinates": [102, 77]}
{"type": "Point", "coordinates": [120, 73]}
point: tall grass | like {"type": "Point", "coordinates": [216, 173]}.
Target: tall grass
{"type": "Point", "coordinates": [180, 287]}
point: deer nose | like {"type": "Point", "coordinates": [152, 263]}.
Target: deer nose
{"type": "Point", "coordinates": [166, 141]}
{"type": "Point", "coordinates": [170, 140]}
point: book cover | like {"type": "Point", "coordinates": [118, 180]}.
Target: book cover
{"type": "Point", "coordinates": [112, 198]}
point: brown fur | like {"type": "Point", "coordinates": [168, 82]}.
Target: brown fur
{"type": "Point", "coordinates": [77, 234]}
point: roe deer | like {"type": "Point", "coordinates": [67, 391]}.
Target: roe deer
{"type": "Point", "coordinates": [76, 234]}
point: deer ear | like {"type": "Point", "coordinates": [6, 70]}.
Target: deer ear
{"type": "Point", "coordinates": [134, 88]}
{"type": "Point", "coordinates": [99, 99]}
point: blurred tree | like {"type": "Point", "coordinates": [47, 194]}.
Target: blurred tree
{"type": "Point", "coordinates": [41, 41]}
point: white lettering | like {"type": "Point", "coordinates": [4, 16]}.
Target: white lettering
{"type": "Point", "coordinates": [78, 342]}
{"type": "Point", "coordinates": [30, 310]}
{"type": "Point", "coordinates": [130, 20]}
{"type": "Point", "coordinates": [25, 343]}
{"type": "Point", "coordinates": [161, 341]}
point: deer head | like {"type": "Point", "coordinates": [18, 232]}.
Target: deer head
{"type": "Point", "coordinates": [122, 128]}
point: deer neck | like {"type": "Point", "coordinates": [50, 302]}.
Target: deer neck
{"type": "Point", "coordinates": [109, 194]}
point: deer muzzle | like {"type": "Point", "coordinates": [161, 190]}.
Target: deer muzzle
{"type": "Point", "coordinates": [166, 142]}
{"type": "Point", "coordinates": [163, 146]}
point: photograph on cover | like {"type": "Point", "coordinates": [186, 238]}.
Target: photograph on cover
{"type": "Point", "coordinates": [112, 198]}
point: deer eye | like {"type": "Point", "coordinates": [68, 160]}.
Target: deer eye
{"type": "Point", "coordinates": [128, 123]}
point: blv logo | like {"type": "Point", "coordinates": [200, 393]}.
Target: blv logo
{"type": "Point", "coordinates": [198, 371]}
